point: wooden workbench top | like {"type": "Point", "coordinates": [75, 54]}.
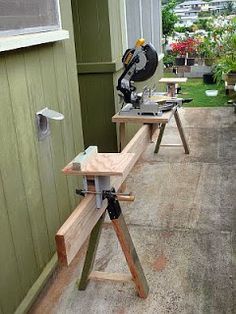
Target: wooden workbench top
{"type": "Point", "coordinates": [173, 80]}
{"type": "Point", "coordinates": [165, 118]}
{"type": "Point", "coordinates": [104, 164]}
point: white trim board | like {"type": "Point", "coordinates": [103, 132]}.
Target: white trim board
{"type": "Point", "coordinates": [19, 41]}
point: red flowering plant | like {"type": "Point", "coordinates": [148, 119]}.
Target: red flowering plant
{"type": "Point", "coordinates": [185, 47]}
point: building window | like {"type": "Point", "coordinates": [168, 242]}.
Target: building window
{"type": "Point", "coordinates": [28, 16]}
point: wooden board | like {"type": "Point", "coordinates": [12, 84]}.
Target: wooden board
{"type": "Point", "coordinates": [84, 157]}
{"type": "Point", "coordinates": [74, 232]}
{"type": "Point", "coordinates": [173, 80]}
{"type": "Point", "coordinates": [158, 98]}
{"type": "Point", "coordinates": [131, 256]}
{"type": "Point", "coordinates": [103, 164]}
{"type": "Point", "coordinates": [165, 118]}
{"type": "Point", "coordinates": [103, 276]}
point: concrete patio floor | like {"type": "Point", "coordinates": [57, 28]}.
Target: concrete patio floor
{"type": "Point", "coordinates": [183, 224]}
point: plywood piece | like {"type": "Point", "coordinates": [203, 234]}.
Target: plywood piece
{"type": "Point", "coordinates": [105, 276]}
{"type": "Point", "coordinates": [103, 164]}
{"type": "Point", "coordinates": [173, 80]}
{"type": "Point", "coordinates": [74, 232]}
{"type": "Point", "coordinates": [164, 118]}
{"type": "Point", "coordinates": [83, 158]}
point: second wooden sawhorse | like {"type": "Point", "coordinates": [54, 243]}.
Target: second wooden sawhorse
{"type": "Point", "coordinates": [156, 122]}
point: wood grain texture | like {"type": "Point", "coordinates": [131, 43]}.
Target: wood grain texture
{"type": "Point", "coordinates": [84, 157]}
{"type": "Point", "coordinates": [103, 164]}
{"type": "Point", "coordinates": [73, 233]}
{"type": "Point", "coordinates": [165, 118]}
{"type": "Point", "coordinates": [104, 276]}
{"type": "Point", "coordinates": [91, 253]}
{"type": "Point", "coordinates": [131, 256]}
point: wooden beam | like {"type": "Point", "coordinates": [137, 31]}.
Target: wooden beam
{"type": "Point", "coordinates": [74, 232]}
{"type": "Point", "coordinates": [103, 276]}
{"type": "Point", "coordinates": [131, 256]}
{"type": "Point", "coordinates": [171, 145]}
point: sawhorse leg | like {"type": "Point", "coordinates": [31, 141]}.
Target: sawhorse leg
{"type": "Point", "coordinates": [122, 136]}
{"type": "Point", "coordinates": [127, 246]}
{"type": "Point", "coordinates": [181, 132]}
{"type": "Point", "coordinates": [159, 139]}
{"type": "Point", "coordinates": [131, 256]}
{"type": "Point", "coordinates": [91, 253]}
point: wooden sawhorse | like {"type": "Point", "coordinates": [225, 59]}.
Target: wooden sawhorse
{"type": "Point", "coordinates": [156, 122]}
{"type": "Point", "coordinates": [172, 84]}
{"type": "Point", "coordinates": [100, 172]}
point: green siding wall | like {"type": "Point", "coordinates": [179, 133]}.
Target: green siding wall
{"type": "Point", "coordinates": [35, 197]}
{"type": "Point", "coordinates": [100, 39]}
{"type": "Point", "coordinates": [95, 71]}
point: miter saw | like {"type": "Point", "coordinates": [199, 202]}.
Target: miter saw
{"type": "Point", "coordinates": [140, 64]}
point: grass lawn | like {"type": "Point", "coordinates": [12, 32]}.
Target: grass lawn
{"type": "Point", "coordinates": [195, 88]}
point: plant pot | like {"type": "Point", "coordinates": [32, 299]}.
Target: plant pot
{"type": "Point", "coordinates": [209, 61]}
{"type": "Point", "coordinates": [179, 61]}
{"type": "Point", "coordinates": [231, 78]}
{"type": "Point", "coordinates": [208, 78]}
{"type": "Point", "coordinates": [190, 61]}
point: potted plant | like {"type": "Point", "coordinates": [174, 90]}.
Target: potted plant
{"type": "Point", "coordinates": [226, 65]}
{"type": "Point", "coordinates": [178, 49]}
{"type": "Point", "coordinates": [226, 69]}
{"type": "Point", "coordinates": [185, 49]}
{"type": "Point", "coordinates": [207, 51]}
{"type": "Point", "coordinates": [191, 48]}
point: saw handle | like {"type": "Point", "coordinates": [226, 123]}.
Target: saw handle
{"type": "Point", "coordinates": [140, 42]}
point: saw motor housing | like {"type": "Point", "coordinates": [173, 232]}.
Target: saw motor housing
{"type": "Point", "coordinates": [140, 64]}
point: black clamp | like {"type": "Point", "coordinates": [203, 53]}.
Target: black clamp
{"type": "Point", "coordinates": [113, 207]}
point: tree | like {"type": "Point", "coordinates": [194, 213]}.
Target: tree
{"type": "Point", "coordinates": [169, 18]}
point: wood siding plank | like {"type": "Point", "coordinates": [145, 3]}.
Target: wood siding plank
{"type": "Point", "coordinates": [12, 178]}
{"type": "Point", "coordinates": [24, 120]}
{"type": "Point", "coordinates": [92, 22]}
{"type": "Point", "coordinates": [36, 101]}
{"type": "Point", "coordinates": [66, 126]}
{"type": "Point", "coordinates": [9, 275]}
{"type": "Point", "coordinates": [97, 110]}
{"type": "Point", "coordinates": [47, 146]}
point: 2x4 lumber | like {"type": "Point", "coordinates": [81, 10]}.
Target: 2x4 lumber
{"type": "Point", "coordinates": [162, 129]}
{"type": "Point", "coordinates": [181, 132]}
{"type": "Point", "coordinates": [91, 253]}
{"type": "Point", "coordinates": [74, 232]}
{"type": "Point", "coordinates": [131, 256]}
{"type": "Point", "coordinates": [105, 276]}
{"type": "Point", "coordinates": [171, 145]}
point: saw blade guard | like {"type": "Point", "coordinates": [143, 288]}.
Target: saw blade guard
{"type": "Point", "coordinates": [140, 64]}
{"type": "Point", "coordinates": [147, 64]}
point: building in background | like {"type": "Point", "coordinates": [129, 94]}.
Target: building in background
{"type": "Point", "coordinates": [188, 11]}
